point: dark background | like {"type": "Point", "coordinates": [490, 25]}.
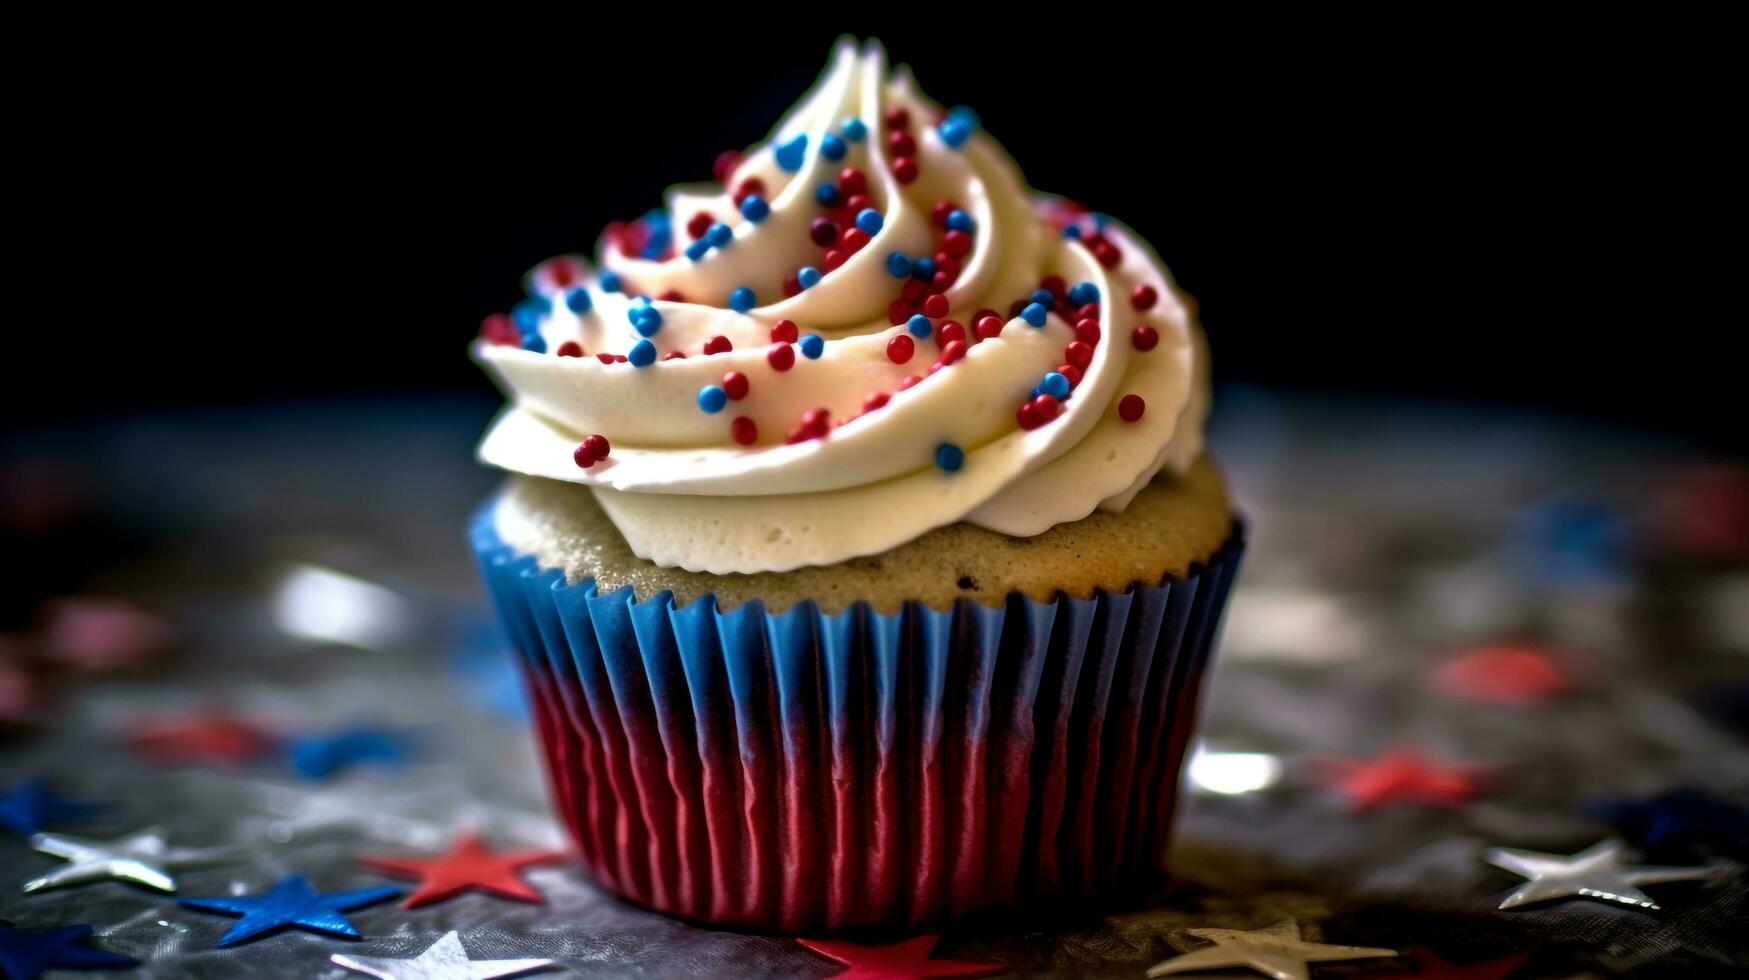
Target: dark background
{"type": "Point", "coordinates": [1499, 212]}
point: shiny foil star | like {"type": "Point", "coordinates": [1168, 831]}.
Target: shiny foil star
{"type": "Point", "coordinates": [26, 805]}
{"type": "Point", "coordinates": [1277, 951]}
{"type": "Point", "coordinates": [908, 960]}
{"type": "Point", "coordinates": [142, 858]}
{"type": "Point", "coordinates": [469, 864]}
{"type": "Point", "coordinates": [1403, 775]}
{"type": "Point", "coordinates": [442, 960]}
{"type": "Point", "coordinates": [1430, 967]}
{"type": "Point", "coordinates": [1600, 871]}
{"type": "Point", "coordinates": [1521, 675]}
{"type": "Point", "coordinates": [321, 756]}
{"type": "Point", "coordinates": [291, 902]}
{"type": "Point", "coordinates": [25, 955]}
{"type": "Point", "coordinates": [211, 737]}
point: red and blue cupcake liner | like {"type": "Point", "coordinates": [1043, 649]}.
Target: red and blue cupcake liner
{"type": "Point", "coordinates": [806, 772]}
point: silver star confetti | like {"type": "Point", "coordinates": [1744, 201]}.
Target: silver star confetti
{"type": "Point", "coordinates": [1277, 951]}
{"type": "Point", "coordinates": [1600, 871]}
{"type": "Point", "coordinates": [142, 858]}
{"type": "Point", "coordinates": [442, 960]}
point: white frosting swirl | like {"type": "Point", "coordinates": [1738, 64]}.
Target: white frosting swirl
{"type": "Point", "coordinates": [684, 492]}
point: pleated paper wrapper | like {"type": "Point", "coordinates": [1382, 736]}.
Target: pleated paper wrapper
{"type": "Point", "coordinates": [805, 773]}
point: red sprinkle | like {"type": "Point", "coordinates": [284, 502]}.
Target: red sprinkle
{"type": "Point", "coordinates": [784, 331]}
{"type": "Point", "coordinates": [914, 290]}
{"type": "Point", "coordinates": [943, 280]}
{"type": "Point", "coordinates": [949, 332]}
{"type": "Point", "coordinates": [605, 358]}
{"type": "Point", "coordinates": [989, 326]}
{"type": "Point", "coordinates": [877, 399]}
{"type": "Point", "coordinates": [1088, 312]}
{"type": "Point", "coordinates": [955, 243]}
{"type": "Point", "coordinates": [816, 422]}
{"type": "Point", "coordinates": [735, 385]}
{"type": "Point", "coordinates": [910, 381]}
{"type": "Point", "coordinates": [1107, 254]}
{"type": "Point", "coordinates": [1027, 416]}
{"type": "Point", "coordinates": [563, 272]}
{"type": "Point", "coordinates": [953, 351]}
{"type": "Point", "coordinates": [570, 348]}
{"type": "Point", "coordinates": [1131, 407]}
{"type": "Point", "coordinates": [724, 165]}
{"type": "Point", "coordinates": [940, 211]}
{"type": "Point", "coordinates": [1143, 296]}
{"type": "Point", "coordinates": [1087, 332]}
{"type": "Point", "coordinates": [671, 296]}
{"type": "Point", "coordinates": [851, 182]}
{"type": "Point", "coordinates": [743, 430]}
{"type": "Point", "coordinates": [853, 239]}
{"type": "Point", "coordinates": [791, 285]}
{"type": "Point", "coordinates": [781, 357]}
{"type": "Point", "coordinates": [823, 231]}
{"type": "Point", "coordinates": [1047, 407]}
{"type": "Point", "coordinates": [1057, 286]}
{"type": "Point", "coordinates": [672, 355]}
{"type": "Point", "coordinates": [899, 310]}
{"type": "Point", "coordinates": [1144, 337]}
{"type": "Point", "coordinates": [856, 203]}
{"type": "Point", "coordinates": [901, 348]}
{"type": "Point", "coordinates": [752, 185]}
{"type": "Point", "coordinates": [898, 118]}
{"type": "Point", "coordinates": [497, 329]}
{"type": "Point", "coordinates": [835, 257]}
{"type": "Point", "coordinates": [592, 450]}
{"type": "Point", "coordinates": [718, 345]}
{"type": "Point", "coordinates": [700, 223]}
{"type": "Point", "coordinates": [1071, 372]}
{"type": "Point", "coordinates": [904, 170]}
{"type": "Point", "coordinates": [1078, 354]}
{"type": "Point", "coordinates": [935, 305]}
{"type": "Point", "coordinates": [901, 144]}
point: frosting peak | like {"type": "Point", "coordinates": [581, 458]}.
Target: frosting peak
{"type": "Point", "coordinates": [867, 329]}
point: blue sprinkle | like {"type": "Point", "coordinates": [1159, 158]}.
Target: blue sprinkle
{"type": "Point", "coordinates": [1036, 391]}
{"type": "Point", "coordinates": [657, 244]}
{"type": "Point", "coordinates": [1055, 385]}
{"type": "Point", "coordinates": [534, 342]}
{"type": "Point", "coordinates": [854, 129]}
{"type": "Point", "coordinates": [958, 127]}
{"type": "Point", "coordinates": [645, 321]}
{"type": "Point", "coordinates": [609, 282]}
{"type": "Point", "coordinates": [789, 155]}
{"type": "Point", "coordinates": [826, 193]}
{"type": "Point", "coordinates": [1101, 220]}
{"type": "Point", "coordinates": [527, 315]}
{"type": "Point", "coordinates": [813, 345]}
{"type": "Point", "coordinates": [808, 276]}
{"type": "Point", "coordinates": [898, 264]}
{"type": "Point", "coordinates": [949, 457]}
{"type": "Point", "coordinates": [642, 299]}
{"type": "Point", "coordinates": [642, 354]}
{"type": "Point", "coordinates": [958, 220]}
{"type": "Point", "coordinates": [697, 248]}
{"type": "Point", "coordinates": [712, 398]}
{"type": "Point", "coordinates": [719, 235]}
{"type": "Point", "coordinates": [923, 268]}
{"type": "Point", "coordinates": [869, 220]}
{"type": "Point", "coordinates": [754, 208]}
{"type": "Point", "coordinates": [918, 325]}
{"type": "Point", "coordinates": [1043, 298]}
{"type": "Point", "coordinates": [741, 300]}
{"type": "Point", "coordinates": [832, 147]}
{"type": "Point", "coordinates": [1072, 231]}
{"type": "Point", "coordinates": [1034, 315]}
{"type": "Point", "coordinates": [1083, 293]}
{"type": "Point", "coordinates": [578, 300]}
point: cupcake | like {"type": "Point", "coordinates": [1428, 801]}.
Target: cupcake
{"type": "Point", "coordinates": [858, 545]}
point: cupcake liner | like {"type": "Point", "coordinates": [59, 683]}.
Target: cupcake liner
{"type": "Point", "coordinates": [806, 772]}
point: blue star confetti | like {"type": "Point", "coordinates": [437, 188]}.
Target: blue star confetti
{"type": "Point", "coordinates": [25, 955]}
{"type": "Point", "coordinates": [321, 756]}
{"type": "Point", "coordinates": [291, 902]}
{"type": "Point", "coordinates": [29, 804]}
{"type": "Point", "coordinates": [1679, 820]}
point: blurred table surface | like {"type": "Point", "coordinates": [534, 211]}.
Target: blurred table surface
{"type": "Point", "coordinates": [312, 564]}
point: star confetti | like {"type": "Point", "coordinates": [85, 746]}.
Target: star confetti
{"type": "Point", "coordinates": [1521, 675]}
{"type": "Point", "coordinates": [1430, 967]}
{"type": "Point", "coordinates": [908, 960]}
{"type": "Point", "coordinates": [468, 864]}
{"type": "Point", "coordinates": [291, 902]}
{"type": "Point", "coordinates": [442, 960]}
{"type": "Point", "coordinates": [1277, 951]}
{"type": "Point", "coordinates": [1403, 775]}
{"type": "Point", "coordinates": [103, 634]}
{"type": "Point", "coordinates": [321, 756]}
{"type": "Point", "coordinates": [1676, 819]}
{"type": "Point", "coordinates": [25, 955]}
{"type": "Point", "coordinates": [28, 804]}
{"type": "Point", "coordinates": [142, 858]}
{"type": "Point", "coordinates": [211, 737]}
{"type": "Point", "coordinates": [1600, 871]}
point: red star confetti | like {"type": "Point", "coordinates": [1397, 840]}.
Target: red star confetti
{"type": "Point", "coordinates": [1430, 967]}
{"type": "Point", "coordinates": [1403, 775]}
{"type": "Point", "coordinates": [908, 960]}
{"type": "Point", "coordinates": [102, 634]}
{"type": "Point", "coordinates": [213, 737]}
{"type": "Point", "coordinates": [468, 865]}
{"type": "Point", "coordinates": [1522, 675]}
